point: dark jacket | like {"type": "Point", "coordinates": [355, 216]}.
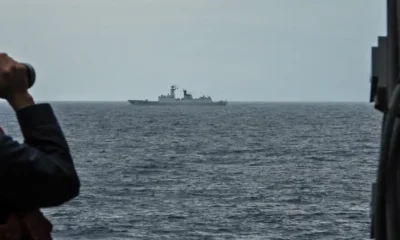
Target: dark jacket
{"type": "Point", "coordinates": [40, 172]}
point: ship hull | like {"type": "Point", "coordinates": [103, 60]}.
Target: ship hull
{"type": "Point", "coordinates": [175, 103]}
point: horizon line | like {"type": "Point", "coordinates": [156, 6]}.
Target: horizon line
{"type": "Point", "coordinates": [238, 101]}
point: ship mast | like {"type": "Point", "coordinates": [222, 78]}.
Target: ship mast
{"type": "Point", "coordinates": [172, 91]}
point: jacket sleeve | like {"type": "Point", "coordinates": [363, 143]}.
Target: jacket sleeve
{"type": "Point", "coordinates": [40, 172]}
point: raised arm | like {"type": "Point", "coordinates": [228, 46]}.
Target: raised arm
{"type": "Point", "coordinates": [39, 172]}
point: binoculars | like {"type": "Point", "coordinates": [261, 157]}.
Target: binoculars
{"type": "Point", "coordinates": [31, 74]}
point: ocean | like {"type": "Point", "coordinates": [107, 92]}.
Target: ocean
{"type": "Point", "coordinates": [246, 171]}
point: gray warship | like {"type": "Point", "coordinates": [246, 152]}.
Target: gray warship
{"type": "Point", "coordinates": [187, 99]}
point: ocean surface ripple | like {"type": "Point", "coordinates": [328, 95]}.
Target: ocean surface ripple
{"type": "Point", "coordinates": [246, 171]}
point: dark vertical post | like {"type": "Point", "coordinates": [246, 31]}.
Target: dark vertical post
{"type": "Point", "coordinates": [386, 211]}
{"type": "Point", "coordinates": [374, 75]}
{"type": "Point", "coordinates": [383, 74]}
{"type": "Point", "coordinates": [381, 103]}
{"type": "Point", "coordinates": [392, 45]}
{"type": "Point", "coordinates": [390, 199]}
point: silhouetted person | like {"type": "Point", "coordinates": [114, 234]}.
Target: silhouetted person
{"type": "Point", "coordinates": [38, 173]}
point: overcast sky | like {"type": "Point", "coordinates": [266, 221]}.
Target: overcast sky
{"type": "Point", "coordinates": [239, 50]}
